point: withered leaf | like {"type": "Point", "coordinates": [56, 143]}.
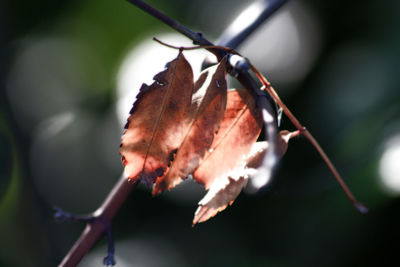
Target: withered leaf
{"type": "Point", "coordinates": [208, 108]}
{"type": "Point", "coordinates": [217, 199]}
{"type": "Point", "coordinates": [158, 122]}
{"type": "Point", "coordinates": [225, 190]}
{"type": "Point", "coordinates": [259, 149]}
{"type": "Point", "coordinates": [240, 128]}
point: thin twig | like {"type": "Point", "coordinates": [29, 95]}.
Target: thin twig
{"type": "Point", "coordinates": [196, 37]}
{"type": "Point", "coordinates": [208, 47]}
{"type": "Point", "coordinates": [267, 86]}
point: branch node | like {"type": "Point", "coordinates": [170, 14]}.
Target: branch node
{"type": "Point", "coordinates": [92, 220]}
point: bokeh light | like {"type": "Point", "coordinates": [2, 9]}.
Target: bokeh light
{"type": "Point", "coordinates": [389, 166]}
{"type": "Point", "coordinates": [286, 47]}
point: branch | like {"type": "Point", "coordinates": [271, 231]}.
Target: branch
{"type": "Point", "coordinates": [245, 24]}
{"type": "Point", "coordinates": [196, 37]}
{"type": "Point", "coordinates": [99, 222]}
{"type": "Point", "coordinates": [248, 21]}
{"type": "Point", "coordinates": [270, 127]}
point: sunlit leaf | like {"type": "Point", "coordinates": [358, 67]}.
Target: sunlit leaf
{"type": "Point", "coordinates": [158, 122]}
{"type": "Point", "coordinates": [225, 189]}
{"type": "Point", "coordinates": [240, 128]}
{"type": "Point", "coordinates": [208, 108]}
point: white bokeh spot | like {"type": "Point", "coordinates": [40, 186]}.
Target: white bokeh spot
{"type": "Point", "coordinates": [389, 167]}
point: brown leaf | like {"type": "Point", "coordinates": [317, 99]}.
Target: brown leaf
{"type": "Point", "coordinates": [259, 149]}
{"type": "Point", "coordinates": [217, 199]}
{"type": "Point", "coordinates": [240, 128]}
{"type": "Point", "coordinates": [219, 172]}
{"type": "Point", "coordinates": [158, 122]}
{"type": "Point", "coordinates": [208, 108]}
{"type": "Point", "coordinates": [225, 190]}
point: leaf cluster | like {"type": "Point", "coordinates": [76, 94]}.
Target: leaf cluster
{"type": "Point", "coordinates": [178, 127]}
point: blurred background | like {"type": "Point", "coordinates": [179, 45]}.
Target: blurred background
{"type": "Point", "coordinates": [69, 72]}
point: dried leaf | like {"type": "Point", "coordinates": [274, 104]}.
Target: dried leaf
{"type": "Point", "coordinates": [158, 122]}
{"type": "Point", "coordinates": [240, 128]}
{"type": "Point", "coordinates": [208, 108]}
{"type": "Point", "coordinates": [217, 199]}
{"type": "Point", "coordinates": [221, 169]}
{"type": "Point", "coordinates": [225, 190]}
{"type": "Point", "coordinates": [259, 149]}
